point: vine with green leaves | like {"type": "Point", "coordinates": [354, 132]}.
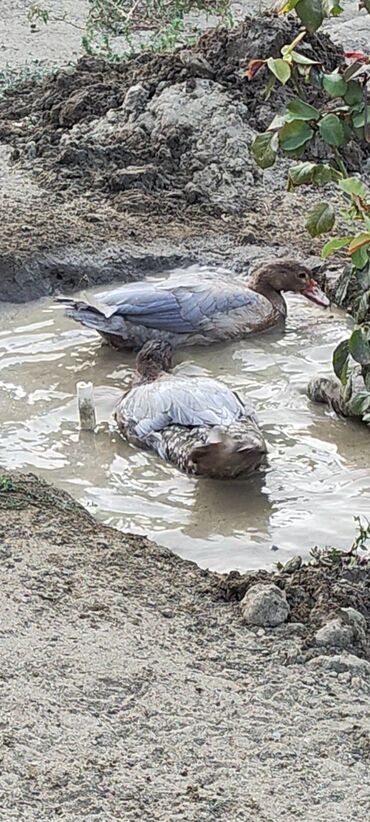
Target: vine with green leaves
{"type": "Point", "coordinates": [343, 118]}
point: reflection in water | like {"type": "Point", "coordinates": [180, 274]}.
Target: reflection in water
{"type": "Point", "coordinates": [317, 477]}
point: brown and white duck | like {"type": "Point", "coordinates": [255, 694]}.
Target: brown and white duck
{"type": "Point", "coordinates": [195, 308]}
{"type": "Point", "coordinates": [195, 423]}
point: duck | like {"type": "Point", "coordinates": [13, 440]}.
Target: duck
{"type": "Point", "coordinates": [196, 423]}
{"type": "Point", "coordinates": [195, 307]}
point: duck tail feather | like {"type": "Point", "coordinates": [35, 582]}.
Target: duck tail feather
{"type": "Point", "coordinates": [85, 303]}
{"type": "Point", "coordinates": [224, 456]}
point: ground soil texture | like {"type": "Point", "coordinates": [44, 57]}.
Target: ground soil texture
{"type": "Point", "coordinates": [131, 689]}
{"type": "Point", "coordinates": [66, 195]}
{"type": "Point", "coordinates": [44, 112]}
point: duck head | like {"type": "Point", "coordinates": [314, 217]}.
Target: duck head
{"type": "Point", "coordinates": [155, 357]}
{"type": "Point", "coordinates": [289, 275]}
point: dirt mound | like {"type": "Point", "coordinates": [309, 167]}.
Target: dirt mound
{"type": "Point", "coordinates": [316, 593]}
{"type": "Point", "coordinates": [163, 132]}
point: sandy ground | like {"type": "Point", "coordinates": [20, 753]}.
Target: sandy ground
{"type": "Point", "coordinates": [130, 689]}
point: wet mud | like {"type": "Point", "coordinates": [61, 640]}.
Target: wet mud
{"type": "Point", "coordinates": [159, 146]}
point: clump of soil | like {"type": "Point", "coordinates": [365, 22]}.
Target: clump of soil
{"type": "Point", "coordinates": [160, 132]}
{"type": "Point", "coordinates": [316, 592]}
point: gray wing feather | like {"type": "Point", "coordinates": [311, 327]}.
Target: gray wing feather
{"type": "Point", "coordinates": [182, 308]}
{"type": "Point", "coordinates": [176, 400]}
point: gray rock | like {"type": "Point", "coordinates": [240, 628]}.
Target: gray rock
{"type": "Point", "coordinates": [336, 634]}
{"type": "Point", "coordinates": [136, 99]}
{"type": "Point", "coordinates": [340, 663]}
{"type": "Point", "coordinates": [292, 565]}
{"type": "Point", "coordinates": [31, 150]}
{"type": "Point", "coordinates": [264, 605]}
{"type": "Point", "coordinates": [356, 620]}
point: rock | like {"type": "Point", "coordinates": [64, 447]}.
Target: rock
{"type": "Point", "coordinates": [136, 99]}
{"type": "Point", "coordinates": [31, 150]}
{"type": "Point", "coordinates": [292, 565]}
{"type": "Point", "coordinates": [356, 620]}
{"type": "Point", "coordinates": [340, 663]}
{"type": "Point", "coordinates": [264, 605]}
{"type": "Point", "coordinates": [335, 633]}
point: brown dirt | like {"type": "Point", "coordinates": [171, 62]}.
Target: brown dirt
{"type": "Point", "coordinates": [41, 114]}
{"type": "Point", "coordinates": [83, 195]}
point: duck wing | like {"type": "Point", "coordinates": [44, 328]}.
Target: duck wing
{"type": "Point", "coordinates": [183, 307]}
{"type": "Point", "coordinates": [176, 400]}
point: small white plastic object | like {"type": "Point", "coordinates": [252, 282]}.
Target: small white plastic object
{"type": "Point", "coordinates": [86, 406]}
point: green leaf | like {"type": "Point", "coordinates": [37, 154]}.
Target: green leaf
{"type": "Point", "coordinates": [358, 119]}
{"type": "Point", "coordinates": [317, 173]}
{"type": "Point", "coordinates": [351, 185]}
{"type": "Point", "coordinates": [263, 151]}
{"type": "Point", "coordinates": [301, 59]}
{"type": "Point", "coordinates": [360, 258]}
{"type": "Point", "coordinates": [354, 94]}
{"type": "Point", "coordinates": [358, 345]}
{"type": "Point", "coordinates": [331, 8]}
{"type": "Point", "coordinates": [334, 85]}
{"type": "Point", "coordinates": [334, 245]}
{"type": "Point", "coordinates": [310, 14]}
{"type": "Point", "coordinates": [280, 69]}
{"type": "Point", "coordinates": [360, 403]}
{"type": "Point", "coordinates": [294, 135]}
{"type": "Point", "coordinates": [320, 219]}
{"type": "Point", "coordinates": [340, 361]}
{"type": "Point", "coordinates": [301, 174]}
{"type": "Point", "coordinates": [331, 130]}
{"type": "Point", "coordinates": [298, 110]}
{"type": "Point", "coordinates": [323, 174]}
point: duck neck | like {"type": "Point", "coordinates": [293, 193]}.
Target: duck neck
{"type": "Point", "coordinates": [261, 285]}
{"type": "Point", "coordinates": [151, 374]}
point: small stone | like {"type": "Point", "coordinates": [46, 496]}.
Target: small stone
{"type": "Point", "coordinates": [336, 634]}
{"type": "Point", "coordinates": [31, 150]}
{"type": "Point", "coordinates": [292, 565]}
{"type": "Point", "coordinates": [356, 620]}
{"type": "Point", "coordinates": [264, 605]}
{"type": "Point", "coordinates": [136, 98]}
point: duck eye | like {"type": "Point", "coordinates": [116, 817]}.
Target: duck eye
{"type": "Point", "coordinates": [302, 276]}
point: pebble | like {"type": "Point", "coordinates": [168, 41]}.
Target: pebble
{"type": "Point", "coordinates": [264, 605]}
{"type": "Point", "coordinates": [336, 634]}
{"type": "Point", "coordinates": [292, 565]}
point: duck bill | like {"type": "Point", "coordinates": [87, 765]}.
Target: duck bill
{"type": "Point", "coordinates": [314, 293]}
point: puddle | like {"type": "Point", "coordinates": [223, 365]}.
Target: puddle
{"type": "Point", "coordinates": [318, 476]}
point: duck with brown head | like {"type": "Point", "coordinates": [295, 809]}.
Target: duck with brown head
{"type": "Point", "coordinates": [195, 306]}
{"type": "Point", "coordinates": [196, 423]}
{"type": "Point", "coordinates": [276, 276]}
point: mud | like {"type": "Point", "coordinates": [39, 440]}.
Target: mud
{"type": "Point", "coordinates": [131, 689]}
{"type": "Point", "coordinates": [101, 156]}
{"type": "Point", "coordinates": [159, 131]}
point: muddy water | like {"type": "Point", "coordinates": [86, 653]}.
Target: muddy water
{"type": "Point", "coordinates": [318, 476]}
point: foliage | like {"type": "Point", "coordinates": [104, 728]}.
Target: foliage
{"type": "Point", "coordinates": [156, 25]}
{"type": "Point", "coordinates": [6, 484]}
{"type": "Point", "coordinates": [357, 554]}
{"type": "Point", "coordinates": [344, 116]}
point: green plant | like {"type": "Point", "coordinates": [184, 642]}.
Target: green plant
{"type": "Point", "coordinates": [6, 484]}
{"type": "Point", "coordinates": [160, 21]}
{"type": "Point", "coordinates": [343, 117]}
{"type": "Point", "coordinates": [357, 554]}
